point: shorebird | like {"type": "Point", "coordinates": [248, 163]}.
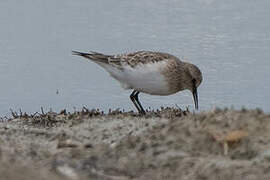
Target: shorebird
{"type": "Point", "coordinates": [149, 72]}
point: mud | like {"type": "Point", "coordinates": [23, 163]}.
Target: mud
{"type": "Point", "coordinates": [164, 144]}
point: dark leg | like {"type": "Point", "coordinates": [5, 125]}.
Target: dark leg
{"type": "Point", "coordinates": [132, 97]}
{"type": "Point", "coordinates": [137, 100]}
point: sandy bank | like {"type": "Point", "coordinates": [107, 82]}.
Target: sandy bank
{"type": "Point", "coordinates": [166, 144]}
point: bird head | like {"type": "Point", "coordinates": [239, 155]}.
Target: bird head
{"type": "Point", "coordinates": [194, 79]}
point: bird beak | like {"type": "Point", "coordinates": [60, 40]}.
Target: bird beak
{"type": "Point", "coordinates": [195, 97]}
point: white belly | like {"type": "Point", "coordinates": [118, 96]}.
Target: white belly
{"type": "Point", "coordinates": [145, 78]}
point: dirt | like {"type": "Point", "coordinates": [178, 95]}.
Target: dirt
{"type": "Point", "coordinates": [164, 144]}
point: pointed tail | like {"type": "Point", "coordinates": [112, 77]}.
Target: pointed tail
{"type": "Point", "coordinates": [93, 56]}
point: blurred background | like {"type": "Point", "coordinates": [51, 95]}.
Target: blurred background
{"type": "Point", "coordinates": [228, 40]}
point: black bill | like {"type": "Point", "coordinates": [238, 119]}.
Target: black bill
{"type": "Point", "coordinates": [195, 97]}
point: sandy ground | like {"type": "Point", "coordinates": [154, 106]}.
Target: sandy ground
{"type": "Point", "coordinates": [164, 144]}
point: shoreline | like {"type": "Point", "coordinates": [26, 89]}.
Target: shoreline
{"type": "Point", "coordinates": [168, 143]}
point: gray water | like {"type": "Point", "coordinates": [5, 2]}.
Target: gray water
{"type": "Point", "coordinates": [229, 40]}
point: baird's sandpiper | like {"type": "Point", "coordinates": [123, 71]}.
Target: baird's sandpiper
{"type": "Point", "coordinates": [149, 72]}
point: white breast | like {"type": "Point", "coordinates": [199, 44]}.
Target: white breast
{"type": "Point", "coordinates": [145, 78]}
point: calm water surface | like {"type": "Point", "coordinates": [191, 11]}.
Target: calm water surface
{"type": "Point", "coordinates": [229, 41]}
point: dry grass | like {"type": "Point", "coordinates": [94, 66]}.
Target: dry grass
{"type": "Point", "coordinates": [165, 144]}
